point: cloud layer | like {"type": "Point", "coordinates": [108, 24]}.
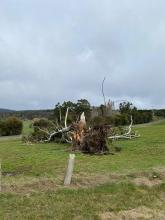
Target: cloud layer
{"type": "Point", "coordinates": [51, 51]}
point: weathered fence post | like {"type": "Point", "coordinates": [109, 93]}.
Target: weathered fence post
{"type": "Point", "coordinates": [69, 170]}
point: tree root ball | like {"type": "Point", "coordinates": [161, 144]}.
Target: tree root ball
{"type": "Point", "coordinates": [94, 141]}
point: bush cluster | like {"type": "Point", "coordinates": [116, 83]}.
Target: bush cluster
{"type": "Point", "coordinates": [11, 126]}
{"type": "Point", "coordinates": [139, 117]}
{"type": "Point", "coordinates": [159, 113]}
{"type": "Point", "coordinates": [116, 120]}
{"type": "Point", "coordinates": [142, 116]}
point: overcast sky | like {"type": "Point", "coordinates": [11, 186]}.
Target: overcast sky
{"type": "Point", "coordinates": [51, 51]}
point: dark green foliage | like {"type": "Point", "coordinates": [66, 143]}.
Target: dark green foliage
{"type": "Point", "coordinates": [103, 110]}
{"type": "Point", "coordinates": [83, 106]}
{"type": "Point", "coordinates": [142, 116]}
{"type": "Point", "coordinates": [126, 108]}
{"type": "Point", "coordinates": [35, 137]}
{"type": "Point", "coordinates": [159, 113]}
{"type": "Point", "coordinates": [40, 126]}
{"type": "Point", "coordinates": [11, 126]}
{"type": "Point", "coordinates": [123, 117]}
{"type": "Point", "coordinates": [60, 111]}
{"type": "Point", "coordinates": [42, 123]}
{"type": "Point", "coordinates": [139, 116]}
{"type": "Point", "coordinates": [98, 120]}
{"type": "Point", "coordinates": [27, 114]}
{"type": "Point", "coordinates": [116, 120]}
{"type": "Point", "coordinates": [75, 110]}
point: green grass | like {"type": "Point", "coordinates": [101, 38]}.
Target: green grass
{"type": "Point", "coordinates": [33, 188]}
{"type": "Point", "coordinates": [84, 203]}
{"type": "Point", "coordinates": [26, 127]}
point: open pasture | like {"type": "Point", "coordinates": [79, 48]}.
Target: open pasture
{"type": "Point", "coordinates": [130, 183]}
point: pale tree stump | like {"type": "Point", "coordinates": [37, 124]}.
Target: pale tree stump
{"type": "Point", "coordinates": [69, 171]}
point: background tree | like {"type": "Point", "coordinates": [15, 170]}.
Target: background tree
{"type": "Point", "coordinates": [60, 111]}
{"type": "Point", "coordinates": [126, 108]}
{"type": "Point", "coordinates": [83, 105]}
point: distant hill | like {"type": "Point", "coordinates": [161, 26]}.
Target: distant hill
{"type": "Point", "coordinates": [3, 110]}
{"type": "Point", "coordinates": [26, 114]}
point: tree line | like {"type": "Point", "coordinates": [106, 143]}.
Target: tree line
{"type": "Point", "coordinates": [123, 115]}
{"type": "Point", "coordinates": [12, 124]}
{"type": "Point", "coordinates": [117, 118]}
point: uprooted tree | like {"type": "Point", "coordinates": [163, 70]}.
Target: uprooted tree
{"type": "Point", "coordinates": [83, 138]}
{"type": "Point", "coordinates": [87, 139]}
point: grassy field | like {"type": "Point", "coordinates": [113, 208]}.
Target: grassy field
{"type": "Point", "coordinates": [127, 185]}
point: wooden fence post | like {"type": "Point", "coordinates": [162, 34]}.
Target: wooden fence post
{"type": "Point", "coordinates": [69, 170]}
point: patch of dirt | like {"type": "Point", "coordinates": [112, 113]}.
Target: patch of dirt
{"type": "Point", "coordinates": [30, 185]}
{"type": "Point", "coordinates": [152, 178]}
{"type": "Point", "coordinates": [16, 183]}
{"type": "Point", "coordinates": [85, 181]}
{"type": "Point", "coordinates": [143, 178]}
{"type": "Point", "coordinates": [160, 172]}
{"type": "Point", "coordinates": [134, 214]}
{"type": "Point", "coordinates": [146, 181]}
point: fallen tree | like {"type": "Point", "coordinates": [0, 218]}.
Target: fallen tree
{"type": "Point", "coordinates": [128, 134]}
{"type": "Point", "coordinates": [92, 140]}
{"type": "Point", "coordinates": [87, 140]}
{"type": "Point", "coordinates": [46, 131]}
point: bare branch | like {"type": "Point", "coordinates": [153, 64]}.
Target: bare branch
{"type": "Point", "coordinates": [130, 127]}
{"type": "Point", "coordinates": [45, 131]}
{"type": "Point", "coordinates": [127, 135]}
{"type": "Point", "coordinates": [66, 117]}
{"type": "Point", "coordinates": [60, 131]}
{"type": "Point", "coordinates": [103, 90]}
{"type": "Point", "coordinates": [60, 114]}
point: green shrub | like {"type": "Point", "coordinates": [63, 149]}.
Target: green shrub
{"type": "Point", "coordinates": [11, 126]}
{"type": "Point", "coordinates": [42, 123]}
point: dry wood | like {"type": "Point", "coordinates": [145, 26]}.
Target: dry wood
{"type": "Point", "coordinates": [103, 94]}
{"type": "Point", "coordinates": [126, 135]}
{"type": "Point", "coordinates": [69, 172]}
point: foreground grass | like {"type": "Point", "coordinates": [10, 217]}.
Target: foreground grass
{"type": "Point", "coordinates": [82, 203]}
{"type": "Point", "coordinates": [33, 177]}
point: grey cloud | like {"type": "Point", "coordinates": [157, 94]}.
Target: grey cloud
{"type": "Point", "coordinates": [52, 51]}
